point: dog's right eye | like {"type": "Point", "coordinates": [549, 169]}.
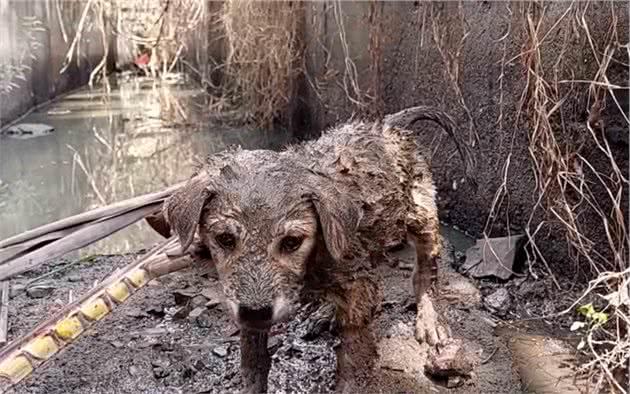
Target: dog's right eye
{"type": "Point", "coordinates": [291, 244]}
{"type": "Point", "coordinates": [226, 241]}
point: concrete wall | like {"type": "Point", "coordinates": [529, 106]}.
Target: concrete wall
{"type": "Point", "coordinates": [33, 43]}
{"type": "Point", "coordinates": [405, 67]}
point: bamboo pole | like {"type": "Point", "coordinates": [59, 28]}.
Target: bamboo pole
{"type": "Point", "coordinates": [22, 356]}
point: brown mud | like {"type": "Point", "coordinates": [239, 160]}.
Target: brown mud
{"type": "Point", "coordinates": [174, 336]}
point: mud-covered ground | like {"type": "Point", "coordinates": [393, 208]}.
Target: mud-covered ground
{"type": "Point", "coordinates": [175, 337]}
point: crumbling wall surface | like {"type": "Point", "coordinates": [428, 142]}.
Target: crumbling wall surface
{"type": "Point", "coordinates": [35, 36]}
{"type": "Point", "coordinates": [515, 76]}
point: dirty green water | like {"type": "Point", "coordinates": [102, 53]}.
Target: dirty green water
{"type": "Point", "coordinates": [142, 136]}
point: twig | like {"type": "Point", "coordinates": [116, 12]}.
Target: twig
{"type": "Point", "coordinates": [484, 361]}
{"type": "Point", "coordinates": [56, 271]}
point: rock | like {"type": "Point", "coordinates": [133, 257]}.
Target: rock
{"type": "Point", "coordinates": [117, 344]}
{"type": "Point", "coordinates": [493, 257]}
{"type": "Point", "coordinates": [74, 278]}
{"type": "Point", "coordinates": [197, 301]}
{"type": "Point", "coordinates": [183, 297]}
{"type": "Point", "coordinates": [156, 331]}
{"type": "Point", "coordinates": [39, 291]}
{"type": "Point", "coordinates": [402, 354]}
{"type": "Point", "coordinates": [499, 302]}
{"type": "Point", "coordinates": [453, 359]}
{"type": "Point", "coordinates": [181, 312]}
{"type": "Point", "coordinates": [17, 289]}
{"type": "Point", "coordinates": [135, 312]}
{"type": "Point", "coordinates": [400, 329]}
{"type": "Point", "coordinates": [300, 366]}
{"type": "Point", "coordinates": [273, 344]}
{"type": "Point", "coordinates": [454, 382]}
{"type": "Point", "coordinates": [458, 290]}
{"type": "Point", "coordinates": [29, 130]}
{"type": "Point", "coordinates": [196, 312]}
{"type": "Point", "coordinates": [161, 367]}
{"type": "Point", "coordinates": [204, 320]}
{"type": "Point", "coordinates": [212, 303]}
{"type": "Point", "coordinates": [211, 293]}
{"type": "Point", "coordinates": [134, 371]}
{"type": "Point", "coordinates": [220, 351]}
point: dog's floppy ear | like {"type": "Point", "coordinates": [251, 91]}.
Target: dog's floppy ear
{"type": "Point", "coordinates": [182, 209]}
{"type": "Point", "coordinates": [339, 218]}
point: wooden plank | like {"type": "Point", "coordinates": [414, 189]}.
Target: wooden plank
{"type": "Point", "coordinates": [4, 311]}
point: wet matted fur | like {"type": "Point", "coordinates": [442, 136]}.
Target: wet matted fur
{"type": "Point", "coordinates": [314, 221]}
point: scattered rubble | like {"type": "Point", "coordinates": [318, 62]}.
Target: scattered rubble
{"type": "Point", "coordinates": [453, 359]}
{"type": "Point", "coordinates": [499, 302]}
{"type": "Point", "coordinates": [144, 348]}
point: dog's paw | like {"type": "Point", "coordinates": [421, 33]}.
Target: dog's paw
{"type": "Point", "coordinates": [429, 328]}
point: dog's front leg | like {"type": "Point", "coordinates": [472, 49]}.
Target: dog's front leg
{"type": "Point", "coordinates": [255, 361]}
{"type": "Point", "coordinates": [357, 354]}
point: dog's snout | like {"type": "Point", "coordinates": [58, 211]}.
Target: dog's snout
{"type": "Point", "coordinates": [249, 314]}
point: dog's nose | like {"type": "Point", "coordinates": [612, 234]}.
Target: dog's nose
{"type": "Point", "coordinates": [249, 314]}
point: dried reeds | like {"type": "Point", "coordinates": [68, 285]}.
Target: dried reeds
{"type": "Point", "coordinates": [574, 193]}
{"type": "Point", "coordinates": [263, 56]}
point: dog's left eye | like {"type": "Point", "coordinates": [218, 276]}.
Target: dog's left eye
{"type": "Point", "coordinates": [290, 244]}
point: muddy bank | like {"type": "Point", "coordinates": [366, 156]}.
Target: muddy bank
{"type": "Point", "coordinates": [175, 337]}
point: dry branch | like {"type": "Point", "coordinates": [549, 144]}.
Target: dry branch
{"type": "Point", "coordinates": [22, 356]}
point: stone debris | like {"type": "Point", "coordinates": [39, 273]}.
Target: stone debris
{"type": "Point", "coordinates": [220, 351]}
{"type": "Point", "coordinates": [499, 302]}
{"type": "Point", "coordinates": [453, 359]}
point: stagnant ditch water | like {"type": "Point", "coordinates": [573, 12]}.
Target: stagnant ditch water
{"type": "Point", "coordinates": [140, 137]}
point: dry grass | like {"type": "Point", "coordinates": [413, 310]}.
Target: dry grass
{"type": "Point", "coordinates": [160, 26]}
{"type": "Point", "coordinates": [263, 57]}
{"type": "Point", "coordinates": [570, 188]}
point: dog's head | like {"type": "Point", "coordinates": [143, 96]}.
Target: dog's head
{"type": "Point", "coordinates": [262, 223]}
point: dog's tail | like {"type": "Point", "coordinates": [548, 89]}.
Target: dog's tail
{"type": "Point", "coordinates": [407, 117]}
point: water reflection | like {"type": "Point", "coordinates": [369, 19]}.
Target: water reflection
{"type": "Point", "coordinates": [143, 136]}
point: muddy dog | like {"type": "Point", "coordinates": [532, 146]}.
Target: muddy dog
{"type": "Point", "coordinates": [314, 221]}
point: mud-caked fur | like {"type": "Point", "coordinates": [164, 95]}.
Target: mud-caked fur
{"type": "Point", "coordinates": [314, 221]}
